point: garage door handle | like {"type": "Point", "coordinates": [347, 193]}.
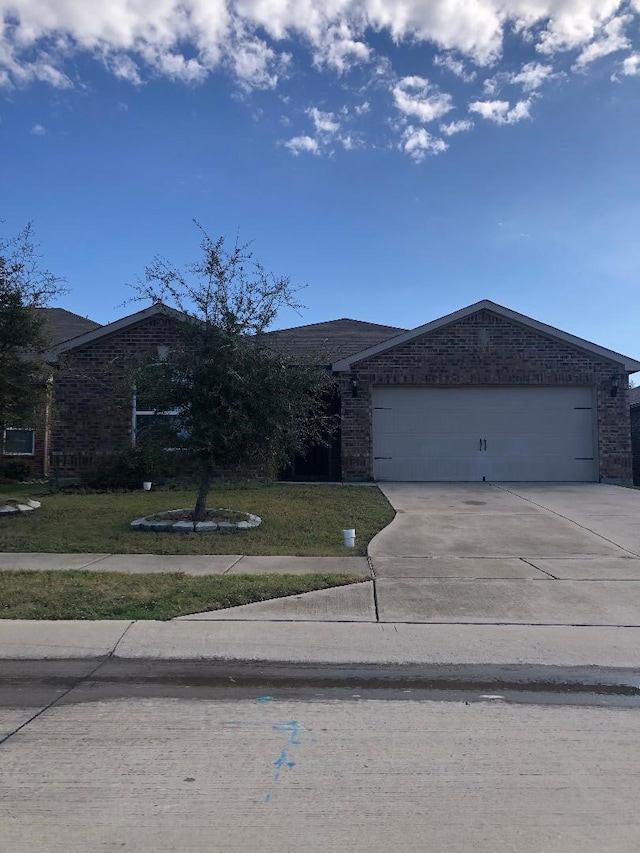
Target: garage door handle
{"type": "Point", "coordinates": [485, 444]}
{"type": "Point", "coordinates": [483, 440]}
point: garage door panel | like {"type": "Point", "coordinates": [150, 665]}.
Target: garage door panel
{"type": "Point", "coordinates": [501, 434]}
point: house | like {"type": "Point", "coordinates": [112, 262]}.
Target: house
{"type": "Point", "coordinates": [484, 393]}
{"type": "Point", "coordinates": [33, 444]}
{"type": "Point", "coordinates": [96, 411]}
{"type": "Point", "coordinates": [634, 412]}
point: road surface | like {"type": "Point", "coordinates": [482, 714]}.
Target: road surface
{"type": "Point", "coordinates": [191, 765]}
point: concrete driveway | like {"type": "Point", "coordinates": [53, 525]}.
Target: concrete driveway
{"type": "Point", "coordinates": [509, 553]}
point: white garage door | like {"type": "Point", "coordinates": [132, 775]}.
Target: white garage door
{"type": "Point", "coordinates": [493, 434]}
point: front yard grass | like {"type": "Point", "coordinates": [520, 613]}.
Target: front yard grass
{"type": "Point", "coordinates": [115, 595]}
{"type": "Point", "coordinates": [15, 491]}
{"type": "Point", "coordinates": [297, 520]}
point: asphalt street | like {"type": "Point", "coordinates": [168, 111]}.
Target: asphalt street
{"type": "Point", "coordinates": [187, 763]}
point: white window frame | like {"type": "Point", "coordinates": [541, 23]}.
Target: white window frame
{"type": "Point", "coordinates": [149, 412]}
{"type": "Point", "coordinates": [31, 452]}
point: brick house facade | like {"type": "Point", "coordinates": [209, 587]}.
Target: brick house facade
{"type": "Point", "coordinates": [482, 346]}
{"type": "Point", "coordinates": [33, 449]}
{"type": "Point", "coordinates": [634, 412]}
{"type": "Point", "coordinates": [93, 412]}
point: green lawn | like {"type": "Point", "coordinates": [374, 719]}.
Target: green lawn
{"type": "Point", "coordinates": [15, 491]}
{"type": "Point", "coordinates": [115, 595]}
{"type": "Point", "coordinates": [297, 520]}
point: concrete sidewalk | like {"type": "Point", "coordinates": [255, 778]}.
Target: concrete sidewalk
{"type": "Point", "coordinates": [188, 564]}
{"type": "Point", "coordinates": [152, 644]}
{"type": "Point", "coordinates": [342, 626]}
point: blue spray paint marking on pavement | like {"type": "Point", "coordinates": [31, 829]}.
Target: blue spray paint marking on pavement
{"type": "Point", "coordinates": [294, 729]}
{"type": "Point", "coordinates": [283, 761]}
{"type": "Point", "coordinates": [262, 699]}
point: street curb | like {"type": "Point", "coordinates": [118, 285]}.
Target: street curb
{"type": "Point", "coordinates": [282, 675]}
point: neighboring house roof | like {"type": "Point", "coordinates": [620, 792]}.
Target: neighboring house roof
{"type": "Point", "coordinates": [634, 396]}
{"type": "Point", "coordinates": [629, 365]}
{"type": "Point", "coordinates": [331, 340]}
{"type": "Point", "coordinates": [327, 341]}
{"type": "Point", "coordinates": [117, 326]}
{"type": "Point", "coordinates": [61, 325]}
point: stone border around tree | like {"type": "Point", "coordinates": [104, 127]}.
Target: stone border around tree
{"type": "Point", "coordinates": [19, 506]}
{"type": "Point", "coordinates": [161, 522]}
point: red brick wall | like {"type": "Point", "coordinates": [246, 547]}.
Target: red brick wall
{"type": "Point", "coordinates": [487, 349]}
{"type": "Point", "coordinates": [93, 393]}
{"type": "Point", "coordinates": [635, 442]}
{"type": "Point", "coordinates": [39, 460]}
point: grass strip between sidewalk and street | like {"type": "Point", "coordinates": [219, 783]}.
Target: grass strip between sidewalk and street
{"type": "Point", "coordinates": [297, 520]}
{"type": "Point", "coordinates": [82, 594]}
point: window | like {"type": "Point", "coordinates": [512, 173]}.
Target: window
{"type": "Point", "coordinates": [151, 423]}
{"type": "Point", "coordinates": [19, 442]}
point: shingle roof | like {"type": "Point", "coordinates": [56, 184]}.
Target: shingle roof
{"type": "Point", "coordinates": [634, 396]}
{"type": "Point", "coordinates": [327, 342]}
{"type": "Point", "coordinates": [61, 325]}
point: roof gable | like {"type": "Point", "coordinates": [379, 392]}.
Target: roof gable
{"type": "Point", "coordinates": [117, 326]}
{"type": "Point", "coordinates": [629, 365]}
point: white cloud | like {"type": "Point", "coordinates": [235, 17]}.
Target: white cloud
{"type": "Point", "coordinates": [568, 25]}
{"type": "Point", "coordinates": [490, 86]}
{"type": "Point", "coordinates": [299, 144]}
{"type": "Point", "coordinates": [337, 33]}
{"type": "Point", "coordinates": [256, 65]}
{"type": "Point", "coordinates": [456, 127]}
{"type": "Point", "coordinates": [361, 109]}
{"type": "Point", "coordinates": [258, 42]}
{"type": "Point", "coordinates": [531, 76]}
{"type": "Point", "coordinates": [455, 66]}
{"type": "Point", "coordinates": [340, 50]}
{"type": "Point", "coordinates": [124, 68]}
{"type": "Point", "coordinates": [327, 130]}
{"type": "Point", "coordinates": [612, 39]}
{"type": "Point", "coordinates": [631, 65]}
{"type": "Point", "coordinates": [349, 142]}
{"type": "Point", "coordinates": [417, 97]}
{"type": "Point", "coordinates": [324, 123]}
{"type": "Point", "coordinates": [38, 130]}
{"type": "Point", "coordinates": [418, 143]}
{"type": "Point", "coordinates": [501, 112]}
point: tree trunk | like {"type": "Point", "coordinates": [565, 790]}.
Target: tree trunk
{"type": "Point", "coordinates": [203, 492]}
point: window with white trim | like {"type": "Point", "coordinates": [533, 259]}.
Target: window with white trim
{"type": "Point", "coordinates": [150, 422]}
{"type": "Point", "coordinates": [19, 442]}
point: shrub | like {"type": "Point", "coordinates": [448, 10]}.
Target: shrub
{"type": "Point", "coordinates": [127, 469]}
{"type": "Point", "coordinates": [16, 470]}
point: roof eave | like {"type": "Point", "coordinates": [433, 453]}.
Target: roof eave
{"type": "Point", "coordinates": [110, 328]}
{"type": "Point", "coordinates": [629, 365]}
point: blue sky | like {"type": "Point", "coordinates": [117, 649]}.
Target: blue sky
{"type": "Point", "coordinates": [400, 159]}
